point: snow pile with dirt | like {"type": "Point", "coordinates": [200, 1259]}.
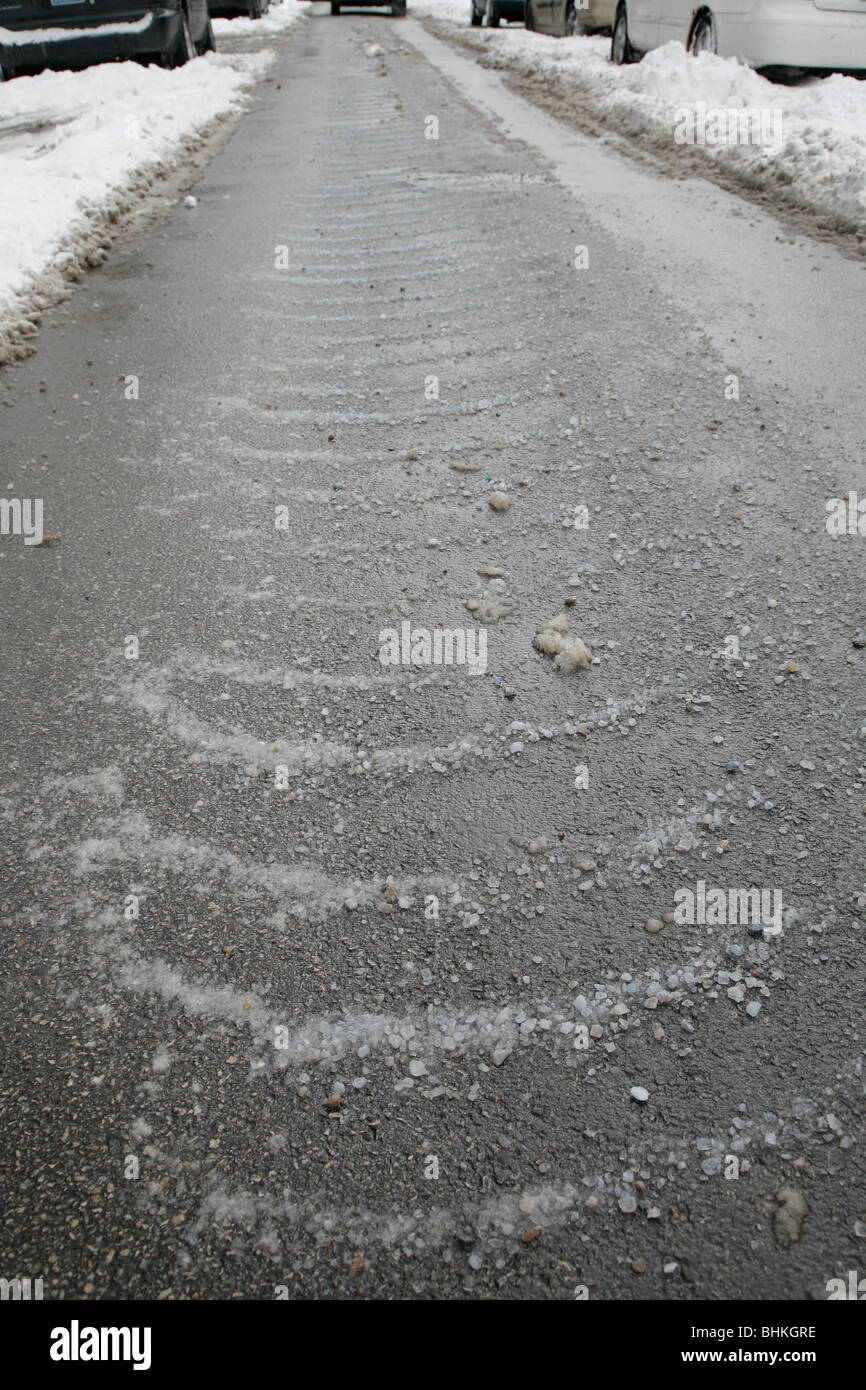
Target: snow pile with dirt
{"type": "Point", "coordinates": [278, 18]}
{"type": "Point", "coordinates": [78, 149]}
{"type": "Point", "coordinates": [806, 145]}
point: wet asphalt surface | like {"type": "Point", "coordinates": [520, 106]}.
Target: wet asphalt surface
{"type": "Point", "coordinates": [373, 1032]}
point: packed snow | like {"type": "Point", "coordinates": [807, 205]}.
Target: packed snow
{"type": "Point", "coordinates": [77, 149]}
{"type": "Point", "coordinates": [807, 142]}
{"type": "Point", "coordinates": [281, 16]}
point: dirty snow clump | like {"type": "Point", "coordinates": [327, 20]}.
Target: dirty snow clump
{"type": "Point", "coordinates": [569, 652]}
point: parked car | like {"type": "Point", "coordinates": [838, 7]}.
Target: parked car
{"type": "Point", "coordinates": [37, 34]}
{"type": "Point", "coordinates": [398, 9]}
{"type": "Point", "coordinates": [798, 35]}
{"type": "Point", "coordinates": [231, 9]}
{"type": "Point", "coordinates": [566, 17]}
{"type": "Point", "coordinates": [494, 10]}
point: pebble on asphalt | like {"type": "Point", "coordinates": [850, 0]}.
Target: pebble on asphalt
{"type": "Point", "coordinates": [790, 1215]}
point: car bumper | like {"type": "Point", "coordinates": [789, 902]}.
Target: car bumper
{"type": "Point", "coordinates": [74, 43]}
{"type": "Point", "coordinates": [789, 33]}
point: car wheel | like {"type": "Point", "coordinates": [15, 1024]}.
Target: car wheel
{"type": "Point", "coordinates": [492, 15]}
{"type": "Point", "coordinates": [399, 10]}
{"type": "Point", "coordinates": [703, 37]}
{"type": "Point", "coordinates": [335, 8]}
{"type": "Point", "coordinates": [184, 48]}
{"type": "Point", "coordinates": [207, 44]}
{"type": "Point", "coordinates": [474, 17]}
{"type": "Point", "coordinates": [572, 25]}
{"type": "Point", "coordinates": [621, 50]}
{"type": "Point", "coordinates": [528, 17]}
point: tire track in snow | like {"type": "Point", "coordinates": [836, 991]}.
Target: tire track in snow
{"type": "Point", "coordinates": [305, 890]}
{"type": "Point", "coordinates": [150, 693]}
{"type": "Point", "coordinates": [279, 1222]}
{"type": "Point", "coordinates": [581, 1028]}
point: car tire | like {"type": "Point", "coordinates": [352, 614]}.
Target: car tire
{"type": "Point", "coordinates": [335, 8]}
{"type": "Point", "coordinates": [572, 23]}
{"type": "Point", "coordinates": [399, 11]}
{"type": "Point", "coordinates": [703, 38]}
{"type": "Point", "coordinates": [528, 17]}
{"type": "Point", "coordinates": [184, 48]}
{"type": "Point", "coordinates": [621, 50]}
{"type": "Point", "coordinates": [492, 14]}
{"type": "Point", "coordinates": [474, 17]}
{"type": "Point", "coordinates": [207, 43]}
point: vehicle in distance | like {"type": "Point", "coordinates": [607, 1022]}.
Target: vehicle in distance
{"type": "Point", "coordinates": [397, 9]}
{"type": "Point", "coordinates": [568, 17]}
{"type": "Point", "coordinates": [495, 10]}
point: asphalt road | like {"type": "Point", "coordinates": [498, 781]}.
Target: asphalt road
{"type": "Point", "coordinates": [374, 1032]}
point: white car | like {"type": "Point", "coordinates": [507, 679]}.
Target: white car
{"type": "Point", "coordinates": [821, 35]}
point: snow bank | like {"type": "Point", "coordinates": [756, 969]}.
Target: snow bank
{"type": "Point", "coordinates": [77, 149]}
{"type": "Point", "coordinates": [278, 18]}
{"type": "Point", "coordinates": [817, 163]}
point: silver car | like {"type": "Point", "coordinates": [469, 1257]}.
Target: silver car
{"type": "Point", "coordinates": [781, 35]}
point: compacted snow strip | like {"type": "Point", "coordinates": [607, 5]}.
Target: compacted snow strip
{"type": "Point", "coordinates": [304, 890]}
{"type": "Point", "coordinates": [806, 145]}
{"type": "Point", "coordinates": [78, 149]}
{"type": "Point", "coordinates": [150, 694]}
{"type": "Point", "coordinates": [417, 1045]}
{"type": "Point", "coordinates": [277, 1220]}
{"type": "Point", "coordinates": [198, 666]}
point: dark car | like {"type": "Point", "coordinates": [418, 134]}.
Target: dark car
{"type": "Point", "coordinates": [231, 9]}
{"type": "Point", "coordinates": [568, 17]}
{"type": "Point", "coordinates": [76, 34]}
{"type": "Point", "coordinates": [397, 7]}
{"type": "Point", "coordinates": [495, 10]}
